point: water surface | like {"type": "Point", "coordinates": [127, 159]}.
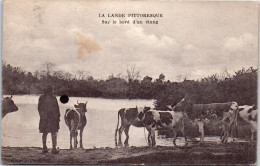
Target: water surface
{"type": "Point", "coordinates": [21, 128]}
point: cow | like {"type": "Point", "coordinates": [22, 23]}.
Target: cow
{"type": "Point", "coordinates": [8, 106]}
{"type": "Point", "coordinates": [202, 114]}
{"type": "Point", "coordinates": [248, 114]}
{"type": "Point", "coordinates": [157, 120]}
{"type": "Point", "coordinates": [129, 116]}
{"type": "Point", "coordinates": [76, 120]}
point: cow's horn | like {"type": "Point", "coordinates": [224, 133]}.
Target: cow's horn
{"type": "Point", "coordinates": [170, 107]}
{"type": "Point", "coordinates": [77, 102]}
{"type": "Point", "coordinates": [11, 96]}
{"type": "Point", "coordinates": [86, 102]}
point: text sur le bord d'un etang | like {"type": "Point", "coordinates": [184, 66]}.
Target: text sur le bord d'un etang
{"type": "Point", "coordinates": [148, 16]}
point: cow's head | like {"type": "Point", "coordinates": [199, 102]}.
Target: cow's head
{"type": "Point", "coordinates": [185, 105]}
{"type": "Point", "coordinates": [81, 106]}
{"type": "Point", "coordinates": [182, 106]}
{"type": "Point", "coordinates": [234, 106]}
{"type": "Point", "coordinates": [170, 107]}
{"type": "Point", "coordinates": [8, 106]}
{"type": "Point", "coordinates": [142, 111]}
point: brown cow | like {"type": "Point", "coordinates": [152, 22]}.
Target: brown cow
{"type": "Point", "coordinates": [249, 115]}
{"type": "Point", "coordinates": [129, 116]}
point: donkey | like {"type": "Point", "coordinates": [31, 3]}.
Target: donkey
{"type": "Point", "coordinates": [8, 106]}
{"type": "Point", "coordinates": [76, 120]}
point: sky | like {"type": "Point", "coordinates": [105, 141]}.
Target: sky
{"type": "Point", "coordinates": [192, 39]}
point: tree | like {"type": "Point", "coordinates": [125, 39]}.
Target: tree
{"type": "Point", "coordinates": [224, 74]}
{"type": "Point", "coordinates": [82, 74]}
{"type": "Point", "coordinates": [161, 78]}
{"type": "Point", "coordinates": [132, 73]}
{"type": "Point", "coordinates": [48, 68]}
{"type": "Point", "coordinates": [68, 76]}
{"type": "Point", "coordinates": [147, 79]}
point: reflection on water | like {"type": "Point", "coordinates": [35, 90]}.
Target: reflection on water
{"type": "Point", "coordinates": [21, 128]}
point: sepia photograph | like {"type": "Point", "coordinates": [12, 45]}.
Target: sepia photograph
{"type": "Point", "coordinates": [129, 82]}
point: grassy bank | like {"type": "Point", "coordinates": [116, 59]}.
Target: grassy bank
{"type": "Point", "coordinates": [207, 153]}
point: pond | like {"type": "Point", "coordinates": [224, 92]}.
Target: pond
{"type": "Point", "coordinates": [21, 128]}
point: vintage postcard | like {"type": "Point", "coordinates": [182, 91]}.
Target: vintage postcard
{"type": "Point", "coordinates": [129, 82]}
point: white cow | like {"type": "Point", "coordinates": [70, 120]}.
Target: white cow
{"type": "Point", "coordinates": [249, 114]}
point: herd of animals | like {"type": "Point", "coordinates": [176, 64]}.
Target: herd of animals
{"type": "Point", "coordinates": [226, 115]}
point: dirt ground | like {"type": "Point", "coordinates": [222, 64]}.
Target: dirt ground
{"type": "Point", "coordinates": [206, 153]}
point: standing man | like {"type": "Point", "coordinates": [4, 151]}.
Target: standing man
{"type": "Point", "coordinates": [49, 118]}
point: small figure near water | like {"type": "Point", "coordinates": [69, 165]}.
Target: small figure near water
{"type": "Point", "coordinates": [49, 118]}
{"type": "Point", "coordinates": [76, 120]}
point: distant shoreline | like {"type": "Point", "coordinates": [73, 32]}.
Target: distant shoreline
{"type": "Point", "coordinates": [79, 96]}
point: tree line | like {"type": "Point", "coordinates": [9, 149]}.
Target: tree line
{"type": "Point", "coordinates": [240, 87]}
